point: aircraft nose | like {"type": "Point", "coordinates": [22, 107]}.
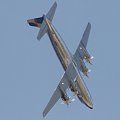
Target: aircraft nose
{"type": "Point", "coordinates": [88, 102]}
{"type": "Point", "coordinates": [90, 106]}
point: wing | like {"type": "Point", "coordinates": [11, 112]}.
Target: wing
{"type": "Point", "coordinates": [70, 74]}
{"type": "Point", "coordinates": [85, 36]}
{"type": "Point", "coordinates": [83, 42]}
{"type": "Point", "coordinates": [56, 95]}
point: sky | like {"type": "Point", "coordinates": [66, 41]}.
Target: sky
{"type": "Point", "coordinates": [30, 69]}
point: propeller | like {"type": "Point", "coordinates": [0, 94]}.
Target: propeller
{"type": "Point", "coordinates": [69, 101]}
{"type": "Point", "coordinates": [91, 57]}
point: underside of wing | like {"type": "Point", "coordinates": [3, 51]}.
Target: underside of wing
{"type": "Point", "coordinates": [56, 95]}
{"type": "Point", "coordinates": [85, 36]}
{"type": "Point", "coordinates": [83, 43]}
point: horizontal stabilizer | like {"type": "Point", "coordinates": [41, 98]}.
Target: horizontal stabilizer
{"type": "Point", "coordinates": [51, 12]}
{"type": "Point", "coordinates": [49, 16]}
{"type": "Point", "coordinates": [43, 30]}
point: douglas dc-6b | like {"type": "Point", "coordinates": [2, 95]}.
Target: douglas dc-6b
{"type": "Point", "coordinates": [72, 64]}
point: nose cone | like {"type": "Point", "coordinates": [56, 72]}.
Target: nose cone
{"type": "Point", "coordinates": [84, 95]}
{"type": "Point", "coordinates": [88, 103]}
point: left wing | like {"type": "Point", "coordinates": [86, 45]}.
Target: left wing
{"type": "Point", "coordinates": [71, 74]}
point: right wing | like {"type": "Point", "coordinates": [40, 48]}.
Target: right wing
{"type": "Point", "coordinates": [71, 74]}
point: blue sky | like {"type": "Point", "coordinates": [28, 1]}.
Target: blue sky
{"type": "Point", "coordinates": [30, 69]}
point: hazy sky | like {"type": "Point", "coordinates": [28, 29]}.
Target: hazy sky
{"type": "Point", "coordinates": [30, 69]}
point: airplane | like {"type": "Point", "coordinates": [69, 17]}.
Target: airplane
{"type": "Point", "coordinates": [72, 78]}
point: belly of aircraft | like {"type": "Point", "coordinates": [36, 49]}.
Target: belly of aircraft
{"type": "Point", "coordinates": [60, 50]}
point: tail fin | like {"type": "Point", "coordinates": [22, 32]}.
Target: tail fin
{"type": "Point", "coordinates": [49, 16]}
{"type": "Point", "coordinates": [36, 22]}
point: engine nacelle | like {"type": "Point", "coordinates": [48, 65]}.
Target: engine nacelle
{"type": "Point", "coordinates": [64, 96]}
{"type": "Point", "coordinates": [86, 55]}
{"type": "Point", "coordinates": [83, 67]}
{"type": "Point", "coordinates": [73, 88]}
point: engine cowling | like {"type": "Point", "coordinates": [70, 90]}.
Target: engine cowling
{"type": "Point", "coordinates": [86, 55]}
{"type": "Point", "coordinates": [83, 67]}
{"type": "Point", "coordinates": [73, 88]}
{"type": "Point", "coordinates": [64, 96]}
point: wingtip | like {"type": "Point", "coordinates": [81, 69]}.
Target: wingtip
{"type": "Point", "coordinates": [38, 39]}
{"type": "Point", "coordinates": [44, 115]}
{"type": "Point", "coordinates": [55, 3]}
{"type": "Point", "coordinates": [89, 24]}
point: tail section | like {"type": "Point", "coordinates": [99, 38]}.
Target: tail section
{"type": "Point", "coordinates": [36, 22]}
{"type": "Point", "coordinates": [40, 23]}
{"type": "Point", "coordinates": [49, 16]}
{"type": "Point", "coordinates": [51, 12]}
